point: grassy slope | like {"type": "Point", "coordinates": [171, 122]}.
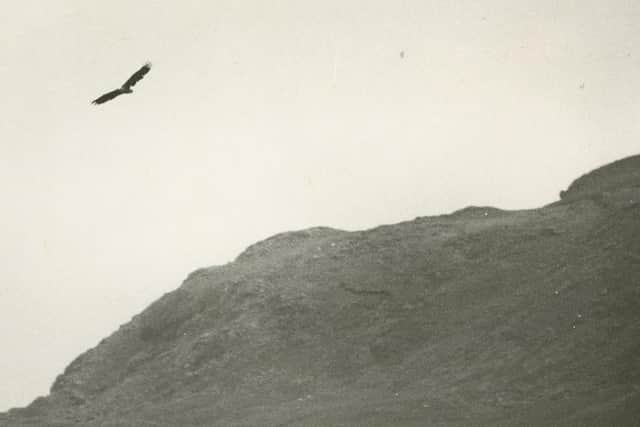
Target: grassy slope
{"type": "Point", "coordinates": [482, 317]}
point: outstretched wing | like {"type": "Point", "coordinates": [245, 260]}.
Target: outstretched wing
{"type": "Point", "coordinates": [107, 96]}
{"type": "Point", "coordinates": [137, 76]}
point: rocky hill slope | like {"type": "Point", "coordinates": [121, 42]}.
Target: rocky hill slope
{"type": "Point", "coordinates": [480, 317]}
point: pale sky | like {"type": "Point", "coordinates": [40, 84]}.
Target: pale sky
{"type": "Point", "coordinates": [260, 117]}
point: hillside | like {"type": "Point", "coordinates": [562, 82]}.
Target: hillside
{"type": "Point", "coordinates": [480, 317]}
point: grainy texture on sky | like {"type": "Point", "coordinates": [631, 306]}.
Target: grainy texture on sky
{"type": "Point", "coordinates": [261, 117]}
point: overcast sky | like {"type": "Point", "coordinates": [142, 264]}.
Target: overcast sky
{"type": "Point", "coordinates": [266, 116]}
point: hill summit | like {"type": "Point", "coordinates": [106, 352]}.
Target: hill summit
{"type": "Point", "coordinates": [480, 317]}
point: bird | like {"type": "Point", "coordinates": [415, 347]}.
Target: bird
{"type": "Point", "coordinates": [126, 87]}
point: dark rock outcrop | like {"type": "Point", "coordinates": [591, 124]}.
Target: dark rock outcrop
{"type": "Point", "coordinates": [481, 317]}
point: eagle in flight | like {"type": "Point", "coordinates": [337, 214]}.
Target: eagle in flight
{"type": "Point", "coordinates": [126, 87]}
